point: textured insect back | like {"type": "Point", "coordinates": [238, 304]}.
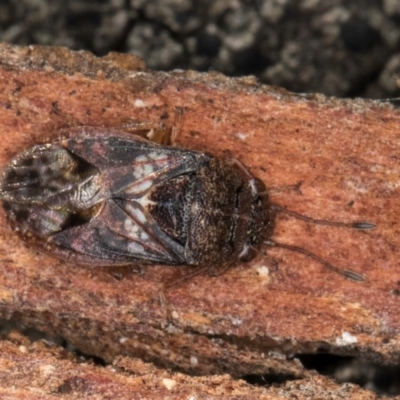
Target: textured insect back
{"type": "Point", "coordinates": [106, 197]}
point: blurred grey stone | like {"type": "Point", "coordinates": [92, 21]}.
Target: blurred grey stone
{"type": "Point", "coordinates": [336, 47]}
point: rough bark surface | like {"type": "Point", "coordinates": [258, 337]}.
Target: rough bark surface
{"type": "Point", "coordinates": [36, 371]}
{"type": "Point", "coordinates": [251, 320]}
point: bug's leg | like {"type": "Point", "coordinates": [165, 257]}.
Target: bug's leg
{"type": "Point", "coordinates": [296, 187]}
{"type": "Point", "coordinates": [217, 271]}
{"type": "Point", "coordinates": [120, 272]}
{"type": "Point", "coordinates": [347, 273]}
{"type": "Point", "coordinates": [287, 188]}
{"type": "Point", "coordinates": [165, 305]}
{"type": "Point", "coordinates": [272, 262]}
{"type": "Point", "coordinates": [177, 281]}
{"type": "Point", "coordinates": [185, 277]}
{"type": "Point", "coordinates": [165, 135]}
{"type": "Point", "coordinates": [158, 133]}
{"type": "Point", "coordinates": [177, 128]}
{"type": "Point", "coordinates": [235, 162]}
{"type": "Point", "coordinates": [258, 186]}
{"type": "Point", "coordinates": [155, 132]}
{"type": "Point", "coordinates": [161, 135]}
{"type": "Point", "coordinates": [238, 164]}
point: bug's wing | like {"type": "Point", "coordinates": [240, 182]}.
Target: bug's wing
{"type": "Point", "coordinates": [130, 165]}
{"type": "Point", "coordinates": [121, 234]}
{"type": "Point", "coordinates": [37, 174]}
{"type": "Point", "coordinates": [116, 149]}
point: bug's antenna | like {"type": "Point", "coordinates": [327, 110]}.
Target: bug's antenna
{"type": "Point", "coordinates": [347, 273]}
{"type": "Point", "coordinates": [360, 225]}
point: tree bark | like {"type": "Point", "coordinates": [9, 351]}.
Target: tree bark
{"type": "Point", "coordinates": [252, 319]}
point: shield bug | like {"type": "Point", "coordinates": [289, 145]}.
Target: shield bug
{"type": "Point", "coordinates": [103, 197]}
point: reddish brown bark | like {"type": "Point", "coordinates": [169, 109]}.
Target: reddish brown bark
{"type": "Point", "coordinates": [36, 371]}
{"type": "Point", "coordinates": [247, 321]}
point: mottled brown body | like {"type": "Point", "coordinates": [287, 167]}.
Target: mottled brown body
{"type": "Point", "coordinates": [105, 197]}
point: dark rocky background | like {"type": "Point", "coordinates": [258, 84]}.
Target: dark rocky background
{"type": "Point", "coordinates": [336, 47]}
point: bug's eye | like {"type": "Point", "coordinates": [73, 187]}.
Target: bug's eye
{"type": "Point", "coordinates": [248, 254]}
{"type": "Point", "coordinates": [260, 185]}
{"type": "Point", "coordinates": [257, 187]}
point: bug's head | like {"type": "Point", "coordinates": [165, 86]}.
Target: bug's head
{"type": "Point", "coordinates": [261, 219]}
